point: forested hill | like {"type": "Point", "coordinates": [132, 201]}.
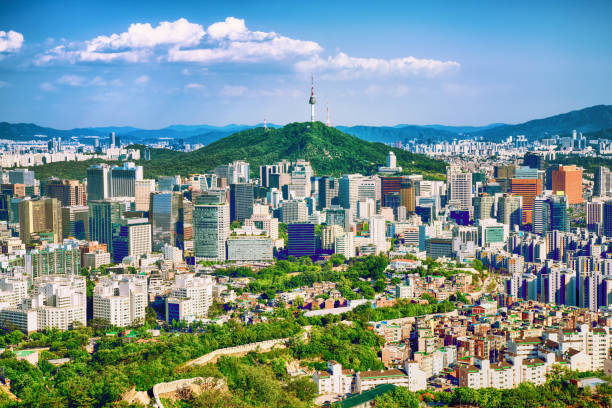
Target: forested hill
{"type": "Point", "coordinates": [329, 150]}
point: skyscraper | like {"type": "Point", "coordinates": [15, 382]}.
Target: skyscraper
{"type": "Point", "coordinates": [164, 214]}
{"type": "Point", "coordinates": [460, 186]}
{"type": "Point", "coordinates": [211, 227]}
{"type": "Point", "coordinates": [241, 201]}
{"type": "Point", "coordinates": [98, 182]}
{"type": "Point", "coordinates": [348, 190]}
{"type": "Point", "coordinates": [40, 220]}
{"type": "Point", "coordinates": [123, 180]}
{"type": "Point", "coordinates": [328, 192]}
{"type": "Point", "coordinates": [68, 192]}
{"type": "Point", "coordinates": [568, 179]}
{"type": "Point", "coordinates": [559, 217]}
{"type": "Point", "coordinates": [142, 193]}
{"type": "Point", "coordinates": [509, 210]}
{"type": "Point", "coordinates": [528, 189]}
{"type": "Point", "coordinates": [75, 221]}
{"type": "Point", "coordinates": [607, 218]}
{"type": "Point", "coordinates": [484, 207]}
{"type": "Point", "coordinates": [301, 240]}
{"type": "Point", "coordinates": [389, 185]}
{"type": "Point", "coordinates": [132, 237]}
{"type": "Point", "coordinates": [104, 216]}
{"type": "Point", "coordinates": [603, 182]}
{"type": "Point", "coordinates": [408, 196]}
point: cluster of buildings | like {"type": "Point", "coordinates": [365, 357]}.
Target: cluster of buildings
{"type": "Point", "coordinates": [487, 344]}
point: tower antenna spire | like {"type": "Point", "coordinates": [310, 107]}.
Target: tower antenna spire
{"type": "Point", "coordinates": [312, 99]}
{"type": "Point", "coordinates": [327, 109]}
{"type": "Point", "coordinates": [265, 124]}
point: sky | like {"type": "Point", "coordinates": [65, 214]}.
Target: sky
{"type": "Point", "coordinates": [151, 64]}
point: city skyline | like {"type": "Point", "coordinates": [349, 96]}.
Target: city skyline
{"type": "Point", "coordinates": [467, 64]}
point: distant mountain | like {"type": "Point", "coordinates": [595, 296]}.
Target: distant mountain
{"type": "Point", "coordinates": [405, 133]}
{"type": "Point", "coordinates": [329, 151]}
{"type": "Point", "coordinates": [585, 120]}
{"type": "Point", "coordinates": [588, 120]}
{"type": "Point", "coordinates": [461, 129]}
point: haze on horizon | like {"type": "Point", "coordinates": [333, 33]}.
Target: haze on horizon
{"type": "Point", "coordinates": [75, 64]}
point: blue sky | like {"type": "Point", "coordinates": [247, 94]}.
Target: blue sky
{"type": "Point", "coordinates": [151, 64]}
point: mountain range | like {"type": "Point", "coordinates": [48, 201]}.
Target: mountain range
{"type": "Point", "coordinates": [587, 120]}
{"type": "Point", "coordinates": [329, 150]}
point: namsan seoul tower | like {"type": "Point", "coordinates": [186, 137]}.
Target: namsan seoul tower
{"type": "Point", "coordinates": [312, 100]}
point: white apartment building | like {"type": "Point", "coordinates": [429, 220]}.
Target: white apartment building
{"type": "Point", "coordinates": [56, 302]}
{"type": "Point", "coordinates": [263, 220]}
{"type": "Point", "coordinates": [190, 299]}
{"type": "Point", "coordinates": [339, 381]}
{"type": "Point", "coordinates": [121, 299]}
{"type": "Point", "coordinates": [345, 245]}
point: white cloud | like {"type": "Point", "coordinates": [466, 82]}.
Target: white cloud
{"type": "Point", "coordinates": [72, 80]}
{"type": "Point", "coordinates": [233, 90]}
{"type": "Point", "coordinates": [142, 80]}
{"type": "Point", "coordinates": [344, 66]}
{"type": "Point", "coordinates": [47, 87]}
{"type": "Point", "coordinates": [231, 41]}
{"type": "Point", "coordinates": [81, 81]}
{"type": "Point", "coordinates": [4, 84]}
{"type": "Point", "coordinates": [195, 86]}
{"type": "Point", "coordinates": [10, 41]}
{"type": "Point", "coordinates": [137, 44]}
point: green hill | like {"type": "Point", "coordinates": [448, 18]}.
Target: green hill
{"type": "Point", "coordinates": [329, 150]}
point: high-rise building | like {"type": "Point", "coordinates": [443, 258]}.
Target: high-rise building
{"type": "Point", "coordinates": [241, 201]}
{"type": "Point", "coordinates": [233, 173]}
{"type": "Point", "coordinates": [348, 190]}
{"type": "Point", "coordinates": [54, 259]}
{"type": "Point", "coordinates": [264, 174]}
{"type": "Point", "coordinates": [40, 220]}
{"type": "Point", "coordinates": [408, 196]}
{"type": "Point", "coordinates": [263, 220]}
{"type": "Point", "coordinates": [603, 182]}
{"type": "Point", "coordinates": [595, 216]}
{"type": "Point", "coordinates": [104, 216]}
{"type": "Point", "coordinates": [142, 192]}
{"type": "Point", "coordinates": [528, 189]}
{"type": "Point", "coordinates": [484, 207]}
{"type": "Point", "coordinates": [98, 182]}
{"type": "Point", "coordinates": [541, 215]}
{"type": "Point", "coordinates": [345, 245]}
{"type": "Point", "coordinates": [190, 299]}
{"type": "Point", "coordinates": [168, 183]}
{"type": "Point", "coordinates": [123, 180]}
{"type": "Point", "coordinates": [131, 238]}
{"type": "Point", "coordinates": [389, 185]}
{"type": "Point", "coordinates": [559, 216]}
{"type": "Point", "coordinates": [460, 187]}
{"type": "Point", "coordinates": [533, 160]}
{"type": "Point", "coordinates": [68, 192]}
{"type": "Point", "coordinates": [21, 176]}
{"type": "Point", "coordinates": [294, 211]}
{"type": "Point", "coordinates": [301, 240]}
{"type": "Point", "coordinates": [328, 192]}
{"type": "Point", "coordinates": [165, 216]}
{"type": "Point", "coordinates": [211, 226]}
{"type": "Point", "coordinates": [75, 222]}
{"type": "Point", "coordinates": [510, 210]}
{"type": "Point", "coordinates": [378, 233]}
{"type": "Point", "coordinates": [328, 236]}
{"type": "Point", "coordinates": [607, 218]}
{"type": "Point", "coordinates": [121, 300]}
{"type": "Point", "coordinates": [568, 179]}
